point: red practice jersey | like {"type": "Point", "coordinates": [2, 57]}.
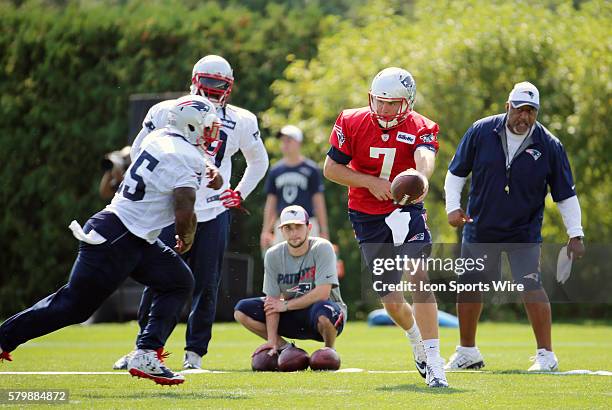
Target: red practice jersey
{"type": "Point", "coordinates": [368, 149]}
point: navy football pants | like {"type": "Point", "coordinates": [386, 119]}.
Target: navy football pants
{"type": "Point", "coordinates": [375, 239]}
{"type": "Point", "coordinates": [205, 259]}
{"type": "Point", "coordinates": [97, 272]}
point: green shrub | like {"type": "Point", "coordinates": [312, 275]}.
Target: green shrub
{"type": "Point", "coordinates": [67, 74]}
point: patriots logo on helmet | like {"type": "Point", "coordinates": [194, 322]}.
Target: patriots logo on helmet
{"type": "Point", "coordinates": [534, 153]}
{"type": "Point", "coordinates": [150, 125]}
{"type": "Point", "coordinates": [198, 105]}
{"type": "Point", "coordinates": [405, 82]}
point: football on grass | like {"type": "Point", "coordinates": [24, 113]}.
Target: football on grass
{"type": "Point", "coordinates": [293, 359]}
{"type": "Point", "coordinates": [263, 362]}
{"type": "Point", "coordinates": [325, 359]}
{"type": "Point", "coordinates": [409, 187]}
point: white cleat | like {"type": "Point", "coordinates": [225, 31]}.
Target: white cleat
{"type": "Point", "coordinates": [435, 376]}
{"type": "Point", "coordinates": [122, 362]}
{"type": "Point", "coordinates": [420, 359]}
{"type": "Point", "coordinates": [149, 364]}
{"type": "Point", "coordinates": [544, 361]}
{"type": "Point", "coordinates": [192, 360]}
{"type": "Point", "coordinates": [465, 358]}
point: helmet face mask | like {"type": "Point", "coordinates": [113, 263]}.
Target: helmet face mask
{"type": "Point", "coordinates": [212, 77]}
{"type": "Point", "coordinates": [391, 97]}
{"type": "Point", "coordinates": [214, 87]}
{"type": "Point", "coordinates": [210, 138]}
{"type": "Point", "coordinates": [388, 112]}
{"type": "Point", "coordinates": [195, 119]}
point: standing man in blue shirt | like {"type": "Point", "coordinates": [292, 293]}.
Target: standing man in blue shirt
{"type": "Point", "coordinates": [294, 180]}
{"type": "Point", "coordinates": [513, 160]}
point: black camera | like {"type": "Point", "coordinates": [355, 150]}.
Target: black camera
{"type": "Point", "coordinates": [120, 159]}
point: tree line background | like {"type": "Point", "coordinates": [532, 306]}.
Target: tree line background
{"type": "Point", "coordinates": [67, 69]}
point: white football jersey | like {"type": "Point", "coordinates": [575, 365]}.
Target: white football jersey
{"type": "Point", "coordinates": [156, 118]}
{"type": "Point", "coordinates": [144, 201]}
{"type": "Point", "coordinates": [239, 131]}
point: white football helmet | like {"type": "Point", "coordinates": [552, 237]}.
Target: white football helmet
{"type": "Point", "coordinates": [212, 77]}
{"type": "Point", "coordinates": [393, 86]}
{"type": "Point", "coordinates": [195, 119]}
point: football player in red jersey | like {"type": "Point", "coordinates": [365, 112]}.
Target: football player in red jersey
{"type": "Point", "coordinates": [369, 147]}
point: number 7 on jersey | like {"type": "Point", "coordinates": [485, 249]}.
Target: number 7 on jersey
{"type": "Point", "coordinates": [388, 158]}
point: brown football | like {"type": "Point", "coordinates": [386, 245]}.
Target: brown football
{"type": "Point", "coordinates": [293, 359]}
{"type": "Point", "coordinates": [263, 362]}
{"type": "Point", "coordinates": [325, 359]}
{"type": "Point", "coordinates": [409, 187]}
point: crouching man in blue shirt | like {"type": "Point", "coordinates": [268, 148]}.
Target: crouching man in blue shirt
{"type": "Point", "coordinates": [513, 160]}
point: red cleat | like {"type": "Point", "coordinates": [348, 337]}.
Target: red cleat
{"type": "Point", "coordinates": [150, 365]}
{"type": "Point", "coordinates": [5, 356]}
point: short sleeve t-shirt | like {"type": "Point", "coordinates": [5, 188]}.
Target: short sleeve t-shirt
{"type": "Point", "coordinates": [294, 185]}
{"type": "Point", "coordinates": [294, 276]}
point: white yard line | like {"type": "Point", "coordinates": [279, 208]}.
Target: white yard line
{"type": "Point", "coordinates": [61, 373]}
{"type": "Point", "coordinates": [347, 370]}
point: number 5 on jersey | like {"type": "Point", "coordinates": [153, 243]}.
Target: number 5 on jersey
{"type": "Point", "coordinates": [139, 190]}
{"type": "Point", "coordinates": [388, 158]}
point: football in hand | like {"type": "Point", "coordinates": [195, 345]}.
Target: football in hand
{"type": "Point", "coordinates": [293, 359]}
{"type": "Point", "coordinates": [264, 362]}
{"type": "Point", "coordinates": [409, 187]}
{"type": "Point", "coordinates": [325, 359]}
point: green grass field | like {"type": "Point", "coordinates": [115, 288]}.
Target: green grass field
{"type": "Point", "coordinates": [503, 384]}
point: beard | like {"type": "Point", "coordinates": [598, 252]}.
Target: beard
{"type": "Point", "coordinates": [299, 244]}
{"type": "Point", "coordinates": [516, 127]}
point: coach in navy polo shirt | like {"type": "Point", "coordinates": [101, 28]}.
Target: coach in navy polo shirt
{"type": "Point", "coordinates": [513, 160]}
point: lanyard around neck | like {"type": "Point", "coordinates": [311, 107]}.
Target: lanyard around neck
{"type": "Point", "coordinates": [504, 139]}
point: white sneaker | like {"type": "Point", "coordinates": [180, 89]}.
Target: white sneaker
{"type": "Point", "coordinates": [465, 358]}
{"type": "Point", "coordinates": [420, 359]}
{"type": "Point", "coordinates": [435, 376]}
{"type": "Point", "coordinates": [149, 364]}
{"type": "Point", "coordinates": [122, 362]}
{"type": "Point", "coordinates": [192, 360]}
{"type": "Point", "coordinates": [544, 361]}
